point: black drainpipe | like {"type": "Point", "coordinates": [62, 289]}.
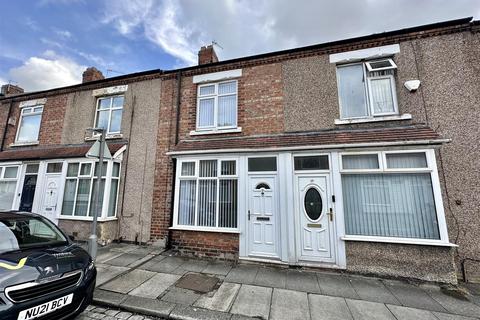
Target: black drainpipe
{"type": "Point", "coordinates": [6, 125]}
{"type": "Point", "coordinates": [174, 164]}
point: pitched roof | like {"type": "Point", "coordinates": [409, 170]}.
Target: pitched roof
{"type": "Point", "coordinates": [332, 137]}
{"type": "Point", "coordinates": [54, 151]}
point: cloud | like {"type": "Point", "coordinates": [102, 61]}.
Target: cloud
{"type": "Point", "coordinates": [65, 34]}
{"type": "Point", "coordinates": [47, 71]}
{"type": "Point", "coordinates": [247, 27]}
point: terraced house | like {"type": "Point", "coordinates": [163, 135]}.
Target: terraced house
{"type": "Point", "coordinates": [359, 154]}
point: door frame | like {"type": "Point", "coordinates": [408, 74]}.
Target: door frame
{"type": "Point", "coordinates": [23, 173]}
{"type": "Point", "coordinates": [298, 221]}
{"type": "Point", "coordinates": [42, 178]}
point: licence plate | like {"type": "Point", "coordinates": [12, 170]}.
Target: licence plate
{"type": "Point", "coordinates": [45, 308]}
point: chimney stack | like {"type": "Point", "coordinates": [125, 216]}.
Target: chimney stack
{"type": "Point", "coordinates": [92, 74]}
{"type": "Point", "coordinates": [10, 89]}
{"type": "Point", "coordinates": [207, 55]}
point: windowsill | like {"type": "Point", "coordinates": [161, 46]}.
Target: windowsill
{"type": "Point", "coordinates": [207, 132]}
{"type": "Point", "coordinates": [24, 144]}
{"type": "Point", "coordinates": [422, 242]}
{"type": "Point", "coordinates": [107, 137]}
{"type": "Point", "coordinates": [205, 229]}
{"type": "Point", "coordinates": [87, 218]}
{"type": "Point", "coordinates": [405, 116]}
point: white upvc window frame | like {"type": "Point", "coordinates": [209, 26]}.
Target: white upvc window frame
{"type": "Point", "coordinates": [215, 96]}
{"type": "Point", "coordinates": [16, 179]}
{"type": "Point", "coordinates": [179, 177]}
{"type": "Point", "coordinates": [368, 90]}
{"type": "Point", "coordinates": [437, 194]}
{"type": "Point", "coordinates": [110, 110]}
{"type": "Point", "coordinates": [24, 114]}
{"type": "Point", "coordinates": [107, 190]}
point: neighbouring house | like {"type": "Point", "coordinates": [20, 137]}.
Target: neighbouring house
{"type": "Point", "coordinates": [43, 167]}
{"type": "Point", "coordinates": [359, 155]}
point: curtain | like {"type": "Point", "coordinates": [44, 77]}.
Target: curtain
{"type": "Point", "coordinates": [69, 196]}
{"type": "Point", "coordinates": [7, 193]}
{"type": "Point", "coordinates": [82, 197]}
{"type": "Point", "coordinates": [227, 111]}
{"type": "Point", "coordinates": [207, 202]}
{"type": "Point", "coordinates": [112, 201]}
{"type": "Point", "coordinates": [390, 205]}
{"type": "Point", "coordinates": [227, 204]}
{"type": "Point", "coordinates": [351, 91]}
{"type": "Point", "coordinates": [100, 196]}
{"type": "Point", "coordinates": [186, 205]}
{"type": "Point", "coordinates": [206, 111]}
{"type": "Point", "coordinates": [381, 95]}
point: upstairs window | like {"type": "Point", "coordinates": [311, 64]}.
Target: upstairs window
{"type": "Point", "coordinates": [29, 124]}
{"type": "Point", "coordinates": [109, 114]}
{"type": "Point", "coordinates": [217, 106]}
{"type": "Point", "coordinates": [367, 89]}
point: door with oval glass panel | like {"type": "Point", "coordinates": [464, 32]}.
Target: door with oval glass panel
{"type": "Point", "coordinates": [315, 219]}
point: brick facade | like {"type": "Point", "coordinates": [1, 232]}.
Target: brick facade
{"type": "Point", "coordinates": [206, 244]}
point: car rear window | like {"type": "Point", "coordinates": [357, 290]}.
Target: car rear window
{"type": "Point", "coordinates": [20, 232]}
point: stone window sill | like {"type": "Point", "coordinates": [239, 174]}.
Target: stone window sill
{"type": "Point", "coordinates": [107, 137]}
{"type": "Point", "coordinates": [207, 132]}
{"type": "Point", "coordinates": [405, 116]}
{"type": "Point", "coordinates": [24, 144]}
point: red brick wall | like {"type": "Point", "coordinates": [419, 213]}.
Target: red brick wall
{"type": "Point", "coordinates": [52, 121]}
{"type": "Point", "coordinates": [206, 244]}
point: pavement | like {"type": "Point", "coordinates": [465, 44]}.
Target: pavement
{"type": "Point", "coordinates": [143, 282]}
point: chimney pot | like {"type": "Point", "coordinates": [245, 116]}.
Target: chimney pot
{"type": "Point", "coordinates": [207, 55]}
{"type": "Point", "coordinates": [92, 74]}
{"type": "Point", "coordinates": [10, 89]}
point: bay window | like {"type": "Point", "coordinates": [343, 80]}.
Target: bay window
{"type": "Point", "coordinates": [8, 184]}
{"type": "Point", "coordinates": [206, 195]}
{"type": "Point", "coordinates": [80, 186]}
{"type": "Point", "coordinates": [217, 106]}
{"type": "Point", "coordinates": [367, 89]}
{"type": "Point", "coordinates": [391, 194]}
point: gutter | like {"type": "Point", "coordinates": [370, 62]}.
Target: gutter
{"type": "Point", "coordinates": [310, 147]}
{"type": "Point", "coordinates": [6, 126]}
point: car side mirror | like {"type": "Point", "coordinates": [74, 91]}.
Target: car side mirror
{"type": "Point", "coordinates": [72, 238]}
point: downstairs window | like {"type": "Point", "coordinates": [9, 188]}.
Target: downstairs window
{"type": "Point", "coordinates": [207, 194]}
{"type": "Point", "coordinates": [389, 195]}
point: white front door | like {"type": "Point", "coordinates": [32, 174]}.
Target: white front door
{"type": "Point", "coordinates": [262, 217]}
{"type": "Point", "coordinates": [51, 196]}
{"type": "Point", "coordinates": [315, 219]}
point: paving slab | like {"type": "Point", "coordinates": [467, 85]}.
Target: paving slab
{"type": "Point", "coordinates": [125, 259]}
{"type": "Point", "coordinates": [108, 298]}
{"type": "Point", "coordinates": [372, 290]}
{"type": "Point", "coordinates": [289, 304]}
{"type": "Point", "coordinates": [366, 310]}
{"type": "Point", "coordinates": [449, 316]}
{"type": "Point", "coordinates": [152, 307]}
{"type": "Point", "coordinates": [107, 255]}
{"type": "Point", "coordinates": [129, 281]}
{"type": "Point", "coordinates": [165, 265]}
{"type": "Point", "coordinates": [222, 299]}
{"type": "Point", "coordinates": [328, 308]}
{"type": "Point", "coordinates": [412, 296]}
{"type": "Point", "coordinates": [218, 268]}
{"type": "Point", "coordinates": [336, 285]}
{"type": "Point", "coordinates": [105, 273]}
{"type": "Point", "coordinates": [242, 274]}
{"type": "Point", "coordinates": [406, 313]}
{"type": "Point", "coordinates": [191, 313]}
{"type": "Point", "coordinates": [302, 281]}
{"type": "Point", "coordinates": [454, 304]}
{"type": "Point", "coordinates": [181, 296]}
{"type": "Point", "coordinates": [198, 282]}
{"type": "Point", "coordinates": [253, 301]}
{"type": "Point", "coordinates": [191, 265]}
{"type": "Point", "coordinates": [270, 277]}
{"type": "Point", "coordinates": [122, 247]}
{"type": "Point", "coordinates": [155, 286]}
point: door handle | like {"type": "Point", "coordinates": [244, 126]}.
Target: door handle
{"type": "Point", "coordinates": [248, 215]}
{"type": "Point", "coordinates": [330, 214]}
